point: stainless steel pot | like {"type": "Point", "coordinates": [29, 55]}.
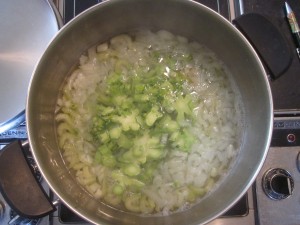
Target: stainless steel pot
{"type": "Point", "coordinates": [183, 17]}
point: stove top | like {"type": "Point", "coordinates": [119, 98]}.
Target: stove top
{"type": "Point", "coordinates": [285, 89]}
{"type": "Point", "coordinates": [255, 208]}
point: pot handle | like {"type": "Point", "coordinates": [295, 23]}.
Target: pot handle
{"type": "Point", "coordinates": [268, 41]}
{"type": "Point", "coordinates": [19, 187]}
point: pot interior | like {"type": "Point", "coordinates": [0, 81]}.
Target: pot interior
{"type": "Point", "coordinates": [181, 17]}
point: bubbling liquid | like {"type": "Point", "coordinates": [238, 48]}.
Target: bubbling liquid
{"type": "Point", "coordinates": [149, 122]}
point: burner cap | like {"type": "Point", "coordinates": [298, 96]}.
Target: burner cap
{"type": "Point", "coordinates": [28, 28]}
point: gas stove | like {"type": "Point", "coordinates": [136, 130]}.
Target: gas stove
{"type": "Point", "coordinates": [274, 196]}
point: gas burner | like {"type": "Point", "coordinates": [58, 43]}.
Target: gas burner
{"type": "Point", "coordinates": [34, 168]}
{"type": "Point", "coordinates": [18, 220]}
{"type": "Point", "coordinates": [278, 184]}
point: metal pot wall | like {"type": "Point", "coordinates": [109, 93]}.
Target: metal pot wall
{"type": "Point", "coordinates": [182, 17]}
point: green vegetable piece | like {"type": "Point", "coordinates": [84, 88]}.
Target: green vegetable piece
{"type": "Point", "coordinates": [124, 142]}
{"type": "Point", "coordinates": [132, 202]}
{"type": "Point", "coordinates": [146, 204]}
{"type": "Point", "coordinates": [128, 122]}
{"type": "Point", "coordinates": [118, 189]}
{"type": "Point", "coordinates": [184, 107]}
{"type": "Point", "coordinates": [103, 99]}
{"type": "Point", "coordinates": [139, 88]}
{"type": "Point", "coordinates": [148, 171]}
{"type": "Point", "coordinates": [114, 79]}
{"type": "Point", "coordinates": [141, 98]}
{"type": "Point", "coordinates": [155, 153]}
{"type": "Point", "coordinates": [98, 123]}
{"type": "Point", "coordinates": [131, 170]}
{"type": "Point", "coordinates": [183, 140]}
{"type": "Point", "coordinates": [122, 102]}
{"type": "Point", "coordinates": [105, 157]}
{"type": "Point", "coordinates": [149, 146]}
{"type": "Point", "coordinates": [115, 132]}
{"type": "Point", "coordinates": [104, 137]}
{"type": "Point", "coordinates": [126, 157]}
{"type": "Point", "coordinates": [98, 157]}
{"type": "Point", "coordinates": [125, 180]}
{"type": "Point", "coordinates": [105, 110]}
{"type": "Point", "coordinates": [195, 192]}
{"type": "Point", "coordinates": [169, 125]}
{"type": "Point", "coordinates": [105, 149]}
{"type": "Point", "coordinates": [112, 198]}
{"type": "Point", "coordinates": [137, 155]}
{"type": "Point", "coordinates": [109, 161]}
{"type": "Point", "coordinates": [153, 115]}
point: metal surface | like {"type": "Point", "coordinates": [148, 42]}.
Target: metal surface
{"type": "Point", "coordinates": [278, 183]}
{"type": "Point", "coordinates": [26, 29]}
{"type": "Point", "coordinates": [181, 17]}
{"type": "Point", "coordinates": [8, 214]}
{"type": "Point", "coordinates": [285, 211]}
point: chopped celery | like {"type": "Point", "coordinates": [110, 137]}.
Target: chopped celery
{"type": "Point", "coordinates": [183, 107]}
{"type": "Point", "coordinates": [105, 110]}
{"type": "Point", "coordinates": [147, 205]}
{"type": "Point", "coordinates": [104, 137]}
{"type": "Point", "coordinates": [169, 125]}
{"type": "Point", "coordinates": [195, 192]}
{"type": "Point", "coordinates": [125, 180]}
{"type": "Point", "coordinates": [124, 141]}
{"type": "Point", "coordinates": [139, 113]}
{"type": "Point", "coordinates": [115, 132]}
{"type": "Point", "coordinates": [148, 172]}
{"type": "Point", "coordinates": [132, 202]}
{"type": "Point", "coordinates": [105, 157]}
{"type": "Point", "coordinates": [131, 170]}
{"type": "Point", "coordinates": [128, 122]}
{"type": "Point", "coordinates": [153, 115]}
{"type": "Point", "coordinates": [155, 153]}
{"type": "Point", "coordinates": [183, 140]}
{"type": "Point", "coordinates": [139, 117]}
{"type": "Point", "coordinates": [109, 161]}
{"type": "Point", "coordinates": [118, 189]}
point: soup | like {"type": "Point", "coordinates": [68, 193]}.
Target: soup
{"type": "Point", "coordinates": [149, 122]}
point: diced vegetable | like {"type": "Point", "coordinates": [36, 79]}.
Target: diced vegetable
{"type": "Point", "coordinates": [146, 124]}
{"type": "Point", "coordinates": [139, 116]}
